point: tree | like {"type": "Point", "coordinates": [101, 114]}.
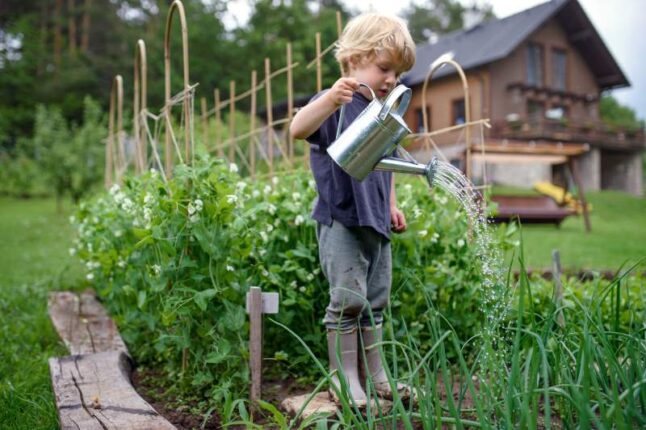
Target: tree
{"type": "Point", "coordinates": [443, 16]}
{"type": "Point", "coordinates": [615, 114]}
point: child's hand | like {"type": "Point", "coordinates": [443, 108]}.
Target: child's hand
{"type": "Point", "coordinates": [342, 90]}
{"type": "Point", "coordinates": [397, 220]}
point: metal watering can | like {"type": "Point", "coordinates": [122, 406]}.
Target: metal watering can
{"type": "Point", "coordinates": [367, 143]}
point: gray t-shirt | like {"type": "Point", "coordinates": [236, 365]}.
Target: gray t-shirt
{"type": "Point", "coordinates": [341, 197]}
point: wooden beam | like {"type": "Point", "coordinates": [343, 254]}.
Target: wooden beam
{"type": "Point", "coordinates": [93, 391]}
{"type": "Point", "coordinates": [83, 324]}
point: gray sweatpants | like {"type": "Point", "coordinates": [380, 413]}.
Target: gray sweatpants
{"type": "Point", "coordinates": [357, 264]}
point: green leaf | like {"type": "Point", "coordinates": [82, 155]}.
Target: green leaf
{"type": "Point", "coordinates": [202, 297]}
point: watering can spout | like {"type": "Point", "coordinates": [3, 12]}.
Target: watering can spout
{"type": "Point", "coordinates": [398, 165]}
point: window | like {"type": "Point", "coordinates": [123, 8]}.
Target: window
{"type": "Point", "coordinates": [558, 69]}
{"type": "Point", "coordinates": [459, 116]}
{"type": "Point", "coordinates": [556, 112]}
{"type": "Point", "coordinates": [419, 115]}
{"type": "Point", "coordinates": [535, 64]}
{"type": "Point", "coordinates": [535, 110]}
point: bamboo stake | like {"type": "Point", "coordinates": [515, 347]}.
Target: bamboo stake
{"type": "Point", "coordinates": [176, 5]}
{"type": "Point", "coordinates": [319, 84]}
{"type": "Point", "coordinates": [270, 119]}
{"type": "Point", "coordinates": [290, 103]}
{"type": "Point", "coordinates": [121, 167]}
{"type": "Point", "coordinates": [218, 123]}
{"type": "Point", "coordinates": [252, 138]}
{"type": "Point", "coordinates": [140, 105]}
{"type": "Point", "coordinates": [205, 127]}
{"type": "Point", "coordinates": [339, 23]}
{"type": "Point", "coordinates": [437, 64]}
{"type": "Point", "coordinates": [232, 120]}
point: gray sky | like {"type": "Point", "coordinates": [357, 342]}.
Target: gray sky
{"type": "Point", "coordinates": [621, 24]}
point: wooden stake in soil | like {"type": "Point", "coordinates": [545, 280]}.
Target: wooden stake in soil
{"type": "Point", "coordinates": [270, 116]}
{"type": "Point", "coordinates": [205, 127]}
{"type": "Point", "coordinates": [290, 103]}
{"type": "Point", "coordinates": [319, 80]}
{"type": "Point", "coordinates": [218, 123]}
{"type": "Point", "coordinates": [232, 121]}
{"type": "Point", "coordinates": [252, 125]}
{"type": "Point", "coordinates": [257, 304]}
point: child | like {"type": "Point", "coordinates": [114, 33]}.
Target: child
{"type": "Point", "coordinates": [355, 217]}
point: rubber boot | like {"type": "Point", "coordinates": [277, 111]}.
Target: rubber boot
{"type": "Point", "coordinates": [372, 366]}
{"type": "Point", "coordinates": [348, 352]}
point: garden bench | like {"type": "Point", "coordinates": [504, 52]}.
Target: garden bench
{"type": "Point", "coordinates": [529, 210]}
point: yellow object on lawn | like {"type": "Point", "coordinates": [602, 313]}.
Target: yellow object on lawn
{"type": "Point", "coordinates": [560, 195]}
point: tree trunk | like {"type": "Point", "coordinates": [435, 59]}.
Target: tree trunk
{"type": "Point", "coordinates": [58, 37]}
{"type": "Point", "coordinates": [71, 26]}
{"type": "Point", "coordinates": [43, 37]}
{"type": "Point", "coordinates": [85, 35]}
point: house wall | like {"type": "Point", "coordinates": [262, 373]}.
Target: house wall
{"type": "Point", "coordinates": [513, 69]}
{"type": "Point", "coordinates": [621, 171]}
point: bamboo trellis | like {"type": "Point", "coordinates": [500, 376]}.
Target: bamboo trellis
{"type": "Point", "coordinates": [230, 148]}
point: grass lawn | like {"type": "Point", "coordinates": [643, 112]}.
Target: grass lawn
{"type": "Point", "coordinates": [618, 235]}
{"type": "Point", "coordinates": [34, 243]}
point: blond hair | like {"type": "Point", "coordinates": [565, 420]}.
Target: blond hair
{"type": "Point", "coordinates": [368, 35]}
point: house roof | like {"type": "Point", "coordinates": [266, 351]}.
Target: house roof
{"type": "Point", "coordinates": [495, 39]}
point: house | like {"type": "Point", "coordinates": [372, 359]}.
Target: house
{"type": "Point", "coordinates": [537, 76]}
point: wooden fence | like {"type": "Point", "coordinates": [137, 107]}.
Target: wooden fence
{"type": "Point", "coordinates": [255, 150]}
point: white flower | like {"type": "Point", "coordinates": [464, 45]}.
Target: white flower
{"type": "Point", "coordinates": [153, 171]}
{"type": "Point", "coordinates": [127, 205]}
{"type": "Point", "coordinates": [270, 228]}
{"type": "Point", "coordinates": [230, 268]}
{"type": "Point", "coordinates": [422, 233]}
{"type": "Point", "coordinates": [199, 205]}
{"type": "Point", "coordinates": [296, 196]}
{"type": "Point", "coordinates": [408, 187]}
{"type": "Point", "coordinates": [114, 189]}
{"type": "Point", "coordinates": [271, 209]}
{"type": "Point", "coordinates": [255, 193]}
{"type": "Point", "coordinates": [241, 185]}
{"type": "Point", "coordinates": [264, 236]}
{"type": "Point", "coordinates": [194, 218]}
{"type": "Point", "coordinates": [311, 183]}
{"type": "Point", "coordinates": [121, 263]}
{"type": "Point", "coordinates": [118, 233]}
{"type": "Point", "coordinates": [310, 277]}
{"type": "Point", "coordinates": [147, 214]}
{"type": "Point", "coordinates": [460, 243]}
{"type": "Point", "coordinates": [299, 219]}
{"type": "Point", "coordinates": [435, 237]}
{"type": "Point", "coordinates": [267, 189]}
{"type": "Point", "coordinates": [72, 219]}
{"type": "Point", "coordinates": [265, 273]}
{"type": "Point", "coordinates": [191, 209]}
{"type": "Point", "coordinates": [232, 198]}
{"type": "Point", "coordinates": [416, 212]}
{"type": "Point", "coordinates": [302, 289]}
{"type": "Point", "coordinates": [274, 180]}
{"type": "Point", "coordinates": [89, 276]}
{"type": "Point", "coordinates": [233, 168]}
{"type": "Point", "coordinates": [148, 199]}
{"type": "Point", "coordinates": [156, 269]}
{"type": "Point", "coordinates": [72, 251]}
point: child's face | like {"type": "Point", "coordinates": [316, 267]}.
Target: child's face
{"type": "Point", "coordinates": [378, 72]}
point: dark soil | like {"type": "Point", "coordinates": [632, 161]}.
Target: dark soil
{"type": "Point", "coordinates": [149, 384]}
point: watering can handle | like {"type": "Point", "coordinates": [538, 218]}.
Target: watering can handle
{"type": "Point", "coordinates": [342, 113]}
{"type": "Point", "coordinates": [400, 91]}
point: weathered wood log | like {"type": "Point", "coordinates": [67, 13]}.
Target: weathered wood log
{"type": "Point", "coordinates": [83, 323]}
{"type": "Point", "coordinates": [93, 391]}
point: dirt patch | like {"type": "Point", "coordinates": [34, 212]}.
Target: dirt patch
{"type": "Point", "coordinates": [147, 383]}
